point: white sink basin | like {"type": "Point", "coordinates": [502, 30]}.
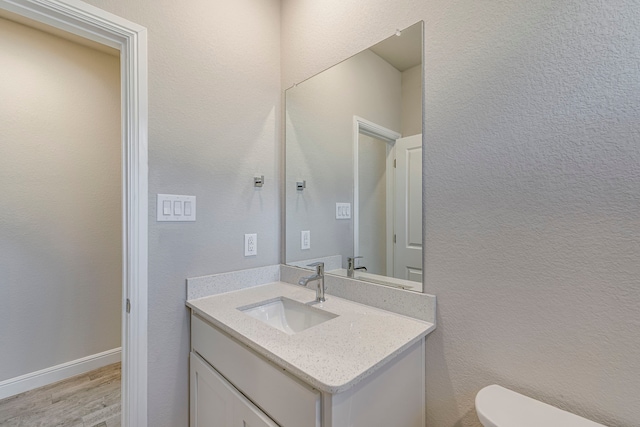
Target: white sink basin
{"type": "Point", "coordinates": [287, 315]}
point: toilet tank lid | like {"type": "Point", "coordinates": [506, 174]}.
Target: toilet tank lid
{"type": "Point", "coordinates": [500, 407]}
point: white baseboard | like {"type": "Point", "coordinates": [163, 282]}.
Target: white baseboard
{"type": "Point", "coordinates": [47, 376]}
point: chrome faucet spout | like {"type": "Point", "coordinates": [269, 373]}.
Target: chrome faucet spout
{"type": "Point", "coordinates": [319, 276]}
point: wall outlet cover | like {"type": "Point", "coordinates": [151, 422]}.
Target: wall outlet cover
{"type": "Point", "coordinates": [250, 244]}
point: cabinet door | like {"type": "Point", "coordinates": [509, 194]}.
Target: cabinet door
{"type": "Point", "coordinates": [250, 416]}
{"type": "Point", "coordinates": [287, 400]}
{"type": "Point", "coordinates": [216, 403]}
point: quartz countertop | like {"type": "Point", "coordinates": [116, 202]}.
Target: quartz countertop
{"type": "Point", "coordinates": [332, 356]}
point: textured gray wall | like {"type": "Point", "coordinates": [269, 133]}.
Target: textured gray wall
{"type": "Point", "coordinates": [214, 114]}
{"type": "Point", "coordinates": [532, 189]}
{"type": "Point", "coordinates": [60, 189]}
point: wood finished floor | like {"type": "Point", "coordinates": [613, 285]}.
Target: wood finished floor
{"type": "Point", "coordinates": [87, 400]}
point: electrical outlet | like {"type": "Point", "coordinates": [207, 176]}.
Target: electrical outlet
{"type": "Point", "coordinates": [250, 244]}
{"type": "Point", "coordinates": [343, 210]}
{"type": "Point", "coordinates": [305, 239]}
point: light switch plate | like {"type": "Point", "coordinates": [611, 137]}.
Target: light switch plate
{"type": "Point", "coordinates": [343, 210]}
{"type": "Point", "coordinates": [250, 244]}
{"type": "Point", "coordinates": [305, 239]}
{"type": "Point", "coordinates": [173, 207]}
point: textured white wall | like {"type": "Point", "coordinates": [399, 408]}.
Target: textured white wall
{"type": "Point", "coordinates": [60, 222]}
{"type": "Point", "coordinates": [319, 128]}
{"type": "Point", "coordinates": [532, 189]}
{"type": "Point", "coordinates": [214, 114]}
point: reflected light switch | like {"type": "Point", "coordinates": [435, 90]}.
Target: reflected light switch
{"type": "Point", "coordinates": [187, 208]}
{"type": "Point", "coordinates": [343, 210]}
{"type": "Point", "coordinates": [177, 207]}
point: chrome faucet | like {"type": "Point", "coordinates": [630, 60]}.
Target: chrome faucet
{"type": "Point", "coordinates": [319, 276]}
{"type": "Point", "coordinates": [351, 266]}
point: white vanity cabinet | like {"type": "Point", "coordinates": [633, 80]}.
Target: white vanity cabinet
{"type": "Point", "coordinates": [286, 400]}
{"type": "Point", "coordinates": [232, 385]}
{"type": "Point", "coordinates": [216, 402]}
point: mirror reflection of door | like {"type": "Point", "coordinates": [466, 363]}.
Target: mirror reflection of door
{"type": "Point", "coordinates": [374, 220]}
{"type": "Point", "coordinates": [408, 209]}
{"type": "Point", "coordinates": [389, 222]}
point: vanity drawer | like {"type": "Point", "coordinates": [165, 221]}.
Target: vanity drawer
{"type": "Point", "coordinates": [287, 400]}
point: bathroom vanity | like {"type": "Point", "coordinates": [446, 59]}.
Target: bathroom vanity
{"type": "Point", "coordinates": [340, 363]}
{"type": "Point", "coordinates": [275, 354]}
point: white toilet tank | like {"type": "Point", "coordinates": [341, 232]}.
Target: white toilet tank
{"type": "Point", "coordinates": [500, 407]}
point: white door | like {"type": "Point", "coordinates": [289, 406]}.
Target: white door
{"type": "Point", "coordinates": [408, 210]}
{"type": "Point", "coordinates": [217, 403]}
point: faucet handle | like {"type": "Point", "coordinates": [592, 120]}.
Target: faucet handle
{"type": "Point", "coordinates": [319, 267]}
{"type": "Point", "coordinates": [353, 258]}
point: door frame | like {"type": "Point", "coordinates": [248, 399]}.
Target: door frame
{"type": "Point", "coordinates": [130, 39]}
{"type": "Point", "coordinates": [389, 136]}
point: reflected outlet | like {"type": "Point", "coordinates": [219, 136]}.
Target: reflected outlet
{"type": "Point", "coordinates": [305, 239]}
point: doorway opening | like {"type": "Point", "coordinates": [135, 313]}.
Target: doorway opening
{"type": "Point", "coordinates": [98, 26]}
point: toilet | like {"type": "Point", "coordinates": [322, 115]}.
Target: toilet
{"type": "Point", "coordinates": [497, 406]}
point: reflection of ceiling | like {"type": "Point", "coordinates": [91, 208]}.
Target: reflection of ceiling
{"type": "Point", "coordinates": [404, 51]}
{"type": "Point", "coordinates": [10, 16]}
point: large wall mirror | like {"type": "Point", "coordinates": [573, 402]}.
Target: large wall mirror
{"type": "Point", "coordinates": [354, 165]}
